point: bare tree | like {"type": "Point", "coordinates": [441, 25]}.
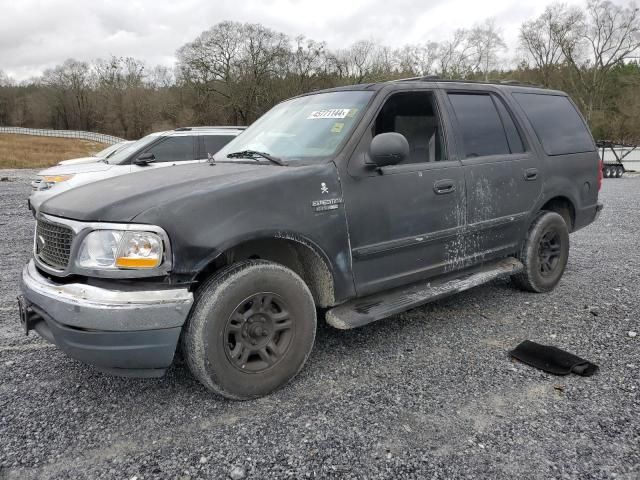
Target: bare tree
{"type": "Point", "coordinates": [209, 65]}
{"type": "Point", "coordinates": [5, 80]}
{"type": "Point", "coordinates": [359, 60]}
{"type": "Point", "coordinates": [71, 84]}
{"type": "Point", "coordinates": [543, 38]}
{"type": "Point", "coordinates": [604, 37]}
{"type": "Point", "coordinates": [417, 60]}
{"type": "Point", "coordinates": [306, 62]}
{"type": "Point", "coordinates": [487, 44]}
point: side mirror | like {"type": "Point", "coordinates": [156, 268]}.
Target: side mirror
{"type": "Point", "coordinates": [388, 149]}
{"type": "Point", "coordinates": [145, 159]}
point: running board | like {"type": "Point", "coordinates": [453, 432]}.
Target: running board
{"type": "Point", "coordinates": [361, 311]}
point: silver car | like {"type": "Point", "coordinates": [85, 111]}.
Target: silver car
{"type": "Point", "coordinates": [157, 150]}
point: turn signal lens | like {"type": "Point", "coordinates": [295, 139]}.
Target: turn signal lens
{"type": "Point", "coordinates": [125, 262]}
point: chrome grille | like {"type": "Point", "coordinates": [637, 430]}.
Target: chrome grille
{"type": "Point", "coordinates": [53, 244]}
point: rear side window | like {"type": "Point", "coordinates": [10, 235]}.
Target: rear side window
{"type": "Point", "coordinates": [557, 123]}
{"type": "Point", "coordinates": [480, 125]}
{"type": "Point", "coordinates": [173, 149]}
{"type": "Point", "coordinates": [213, 143]}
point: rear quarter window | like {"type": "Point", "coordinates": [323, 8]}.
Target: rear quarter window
{"type": "Point", "coordinates": [213, 143]}
{"type": "Point", "coordinates": [557, 123]}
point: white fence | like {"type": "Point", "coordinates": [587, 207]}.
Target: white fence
{"type": "Point", "coordinates": [42, 132]}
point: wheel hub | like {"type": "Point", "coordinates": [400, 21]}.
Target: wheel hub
{"type": "Point", "coordinates": [549, 251]}
{"type": "Point", "coordinates": [258, 332]}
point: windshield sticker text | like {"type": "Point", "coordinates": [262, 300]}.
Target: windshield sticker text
{"type": "Point", "coordinates": [334, 113]}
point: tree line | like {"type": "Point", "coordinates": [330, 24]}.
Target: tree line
{"type": "Point", "coordinates": [233, 72]}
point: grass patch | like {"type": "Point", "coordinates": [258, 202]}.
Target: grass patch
{"type": "Point", "coordinates": [30, 151]}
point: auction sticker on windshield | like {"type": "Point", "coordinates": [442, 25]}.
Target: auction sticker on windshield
{"type": "Point", "coordinates": [333, 113]}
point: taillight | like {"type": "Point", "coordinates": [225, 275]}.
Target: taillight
{"type": "Point", "coordinates": [599, 174]}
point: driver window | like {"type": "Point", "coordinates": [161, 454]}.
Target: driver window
{"type": "Point", "coordinates": [173, 149]}
{"type": "Point", "coordinates": [413, 115]}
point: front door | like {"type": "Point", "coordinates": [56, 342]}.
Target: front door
{"type": "Point", "coordinates": [501, 174]}
{"type": "Point", "coordinates": [174, 150]}
{"type": "Point", "coordinates": [406, 221]}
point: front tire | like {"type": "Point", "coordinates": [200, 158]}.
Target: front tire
{"type": "Point", "coordinates": [251, 329]}
{"type": "Point", "coordinates": [544, 254]}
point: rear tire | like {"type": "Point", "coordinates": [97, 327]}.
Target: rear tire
{"type": "Point", "coordinates": [619, 172]}
{"type": "Point", "coordinates": [544, 254]}
{"type": "Point", "coordinates": [251, 329]}
{"type": "Point", "coordinates": [607, 172]}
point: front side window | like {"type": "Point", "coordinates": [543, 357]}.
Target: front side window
{"type": "Point", "coordinates": [557, 123]}
{"type": "Point", "coordinates": [173, 149]}
{"type": "Point", "coordinates": [123, 156]}
{"type": "Point", "coordinates": [309, 127]}
{"type": "Point", "coordinates": [413, 115]}
{"type": "Point", "coordinates": [480, 125]}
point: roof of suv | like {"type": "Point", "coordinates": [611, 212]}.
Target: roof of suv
{"type": "Point", "coordinates": [505, 84]}
{"type": "Point", "coordinates": [190, 131]}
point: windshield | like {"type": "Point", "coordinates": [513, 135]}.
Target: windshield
{"type": "Point", "coordinates": [312, 126]}
{"type": "Point", "coordinates": [107, 151]}
{"type": "Point", "coordinates": [122, 155]}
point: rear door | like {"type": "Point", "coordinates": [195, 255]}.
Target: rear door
{"type": "Point", "coordinates": [500, 170]}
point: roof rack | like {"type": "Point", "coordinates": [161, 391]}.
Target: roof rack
{"type": "Point", "coordinates": [435, 78]}
{"type": "Point", "coordinates": [220, 127]}
{"type": "Point", "coordinates": [426, 78]}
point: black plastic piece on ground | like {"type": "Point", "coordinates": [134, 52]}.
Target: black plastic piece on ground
{"type": "Point", "coordinates": [552, 359]}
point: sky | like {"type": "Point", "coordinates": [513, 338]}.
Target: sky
{"type": "Point", "coordinates": [39, 34]}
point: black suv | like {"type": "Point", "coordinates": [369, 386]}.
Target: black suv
{"type": "Point", "coordinates": [365, 200]}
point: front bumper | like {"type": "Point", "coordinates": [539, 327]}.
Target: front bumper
{"type": "Point", "coordinates": [129, 332]}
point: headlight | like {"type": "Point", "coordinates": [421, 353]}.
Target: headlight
{"type": "Point", "coordinates": [48, 181]}
{"type": "Point", "coordinates": [116, 249]}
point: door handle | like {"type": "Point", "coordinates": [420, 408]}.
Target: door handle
{"type": "Point", "coordinates": [531, 174]}
{"type": "Point", "coordinates": [444, 186]}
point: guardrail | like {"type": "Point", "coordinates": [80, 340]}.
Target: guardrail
{"type": "Point", "coordinates": [43, 132]}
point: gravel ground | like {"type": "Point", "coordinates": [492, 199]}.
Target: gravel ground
{"type": "Point", "coordinates": [429, 393]}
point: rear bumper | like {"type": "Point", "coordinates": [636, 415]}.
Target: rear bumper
{"type": "Point", "coordinates": [129, 333]}
{"type": "Point", "coordinates": [599, 208]}
{"type": "Point", "coordinates": [586, 216]}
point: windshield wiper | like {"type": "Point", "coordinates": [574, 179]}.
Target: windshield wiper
{"type": "Point", "coordinates": [254, 155]}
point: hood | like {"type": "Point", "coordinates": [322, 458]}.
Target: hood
{"type": "Point", "coordinates": [121, 198]}
{"type": "Point", "coordinates": [78, 161]}
{"type": "Point", "coordinates": [94, 166]}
